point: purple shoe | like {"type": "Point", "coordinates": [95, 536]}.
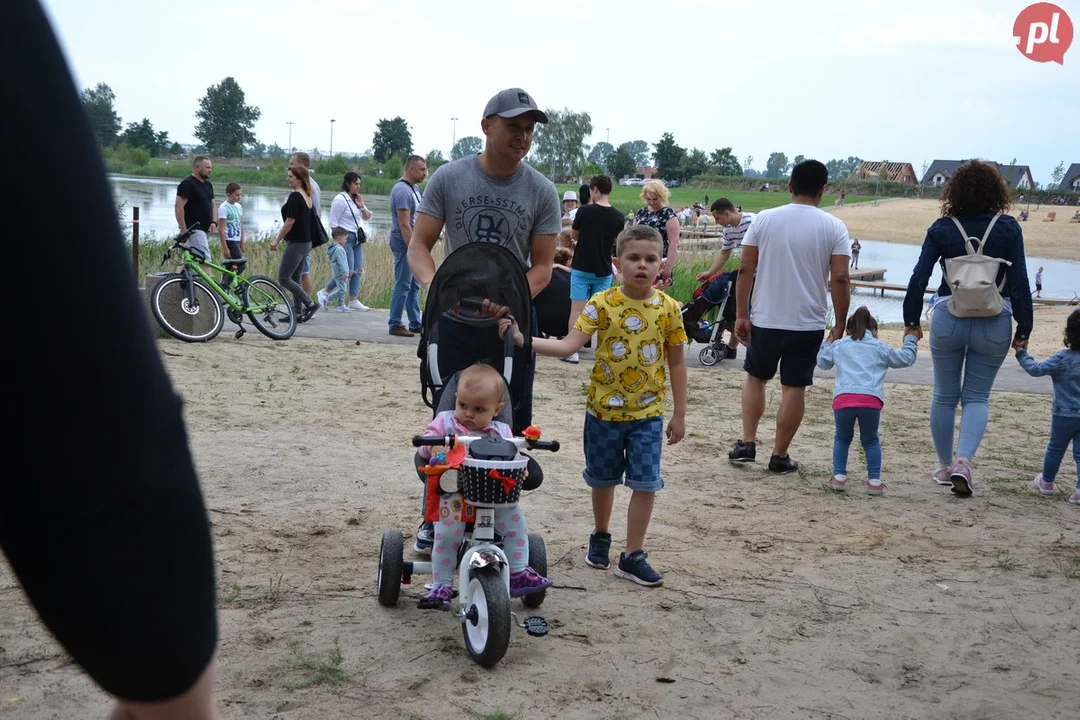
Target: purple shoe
{"type": "Point", "coordinates": [527, 582]}
{"type": "Point", "coordinates": [437, 599]}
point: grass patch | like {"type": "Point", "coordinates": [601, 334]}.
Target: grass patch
{"type": "Point", "coordinates": [322, 668]}
{"type": "Point", "coordinates": [1068, 566]}
{"type": "Point", "coordinates": [1007, 562]}
{"type": "Point", "coordinates": [232, 594]}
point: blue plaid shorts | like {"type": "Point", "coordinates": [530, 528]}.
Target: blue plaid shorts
{"type": "Point", "coordinates": [629, 448]}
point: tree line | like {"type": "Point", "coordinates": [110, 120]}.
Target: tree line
{"type": "Point", "coordinates": [226, 121]}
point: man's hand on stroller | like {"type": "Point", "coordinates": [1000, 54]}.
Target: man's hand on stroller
{"type": "Point", "coordinates": [509, 322]}
{"type": "Point", "coordinates": [481, 307]}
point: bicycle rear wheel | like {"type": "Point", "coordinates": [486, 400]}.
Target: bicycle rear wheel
{"type": "Point", "coordinates": [276, 319]}
{"type": "Point", "coordinates": [191, 321]}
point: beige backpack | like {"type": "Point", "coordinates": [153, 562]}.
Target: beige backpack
{"type": "Point", "coordinates": [973, 278]}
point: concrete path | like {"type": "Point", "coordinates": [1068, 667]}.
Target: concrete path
{"type": "Point", "coordinates": [372, 327]}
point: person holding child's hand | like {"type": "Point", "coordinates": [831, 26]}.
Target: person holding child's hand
{"type": "Point", "coordinates": [861, 361]}
{"type": "Point", "coordinates": [638, 328]}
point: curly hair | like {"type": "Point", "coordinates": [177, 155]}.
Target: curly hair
{"type": "Point", "coordinates": [976, 188]}
{"type": "Point", "coordinates": [1072, 331]}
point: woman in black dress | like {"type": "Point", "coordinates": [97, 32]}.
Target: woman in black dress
{"type": "Point", "coordinates": [296, 219]}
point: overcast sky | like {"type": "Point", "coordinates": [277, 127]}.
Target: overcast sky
{"type": "Point", "coordinates": [909, 81]}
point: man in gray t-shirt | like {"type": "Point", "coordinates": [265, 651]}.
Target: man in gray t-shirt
{"type": "Point", "coordinates": [404, 202]}
{"type": "Point", "coordinates": [493, 197]}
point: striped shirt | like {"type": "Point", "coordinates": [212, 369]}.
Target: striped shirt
{"type": "Point", "coordinates": [733, 236]}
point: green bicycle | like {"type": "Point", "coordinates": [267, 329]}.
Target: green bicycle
{"type": "Point", "coordinates": [186, 303]}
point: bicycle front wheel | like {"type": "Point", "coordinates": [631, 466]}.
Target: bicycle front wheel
{"type": "Point", "coordinates": [275, 317]}
{"type": "Point", "coordinates": [187, 309]}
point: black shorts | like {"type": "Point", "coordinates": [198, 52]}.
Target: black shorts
{"type": "Point", "coordinates": [1038, 288]}
{"type": "Point", "coordinates": [794, 351]}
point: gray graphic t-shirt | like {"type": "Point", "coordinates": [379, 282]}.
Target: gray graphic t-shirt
{"type": "Point", "coordinates": [476, 207]}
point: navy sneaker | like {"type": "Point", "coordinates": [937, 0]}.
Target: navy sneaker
{"type": "Point", "coordinates": [425, 538]}
{"type": "Point", "coordinates": [635, 567]}
{"type": "Point", "coordinates": [599, 545]}
{"type": "Point", "coordinates": [782, 465]}
{"type": "Point", "coordinates": [743, 452]}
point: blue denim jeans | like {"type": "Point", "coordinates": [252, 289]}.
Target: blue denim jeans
{"type": "Point", "coordinates": [355, 251]}
{"type": "Point", "coordinates": [967, 354]}
{"type": "Point", "coordinates": [406, 294]}
{"type": "Point", "coordinates": [1063, 430]}
{"type": "Point", "coordinates": [869, 419]}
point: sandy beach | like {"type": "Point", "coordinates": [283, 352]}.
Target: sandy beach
{"type": "Point", "coordinates": [782, 599]}
{"type": "Point", "coordinates": [906, 221]}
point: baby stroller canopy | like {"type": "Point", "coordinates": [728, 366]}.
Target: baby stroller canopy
{"type": "Point", "coordinates": [455, 335]}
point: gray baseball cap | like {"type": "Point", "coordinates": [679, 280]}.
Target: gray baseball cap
{"type": "Point", "coordinates": [513, 102]}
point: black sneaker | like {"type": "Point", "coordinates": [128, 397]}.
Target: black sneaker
{"type": "Point", "coordinates": [599, 545]}
{"type": "Point", "coordinates": [743, 452]}
{"type": "Point", "coordinates": [782, 465]}
{"type": "Point", "coordinates": [425, 538]}
{"type": "Point", "coordinates": [731, 354]}
{"type": "Point", "coordinates": [635, 568]}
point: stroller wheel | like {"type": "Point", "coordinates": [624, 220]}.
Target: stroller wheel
{"type": "Point", "coordinates": [709, 356]}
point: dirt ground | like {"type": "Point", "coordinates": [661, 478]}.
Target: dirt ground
{"type": "Point", "coordinates": [906, 221]}
{"type": "Point", "coordinates": [781, 598]}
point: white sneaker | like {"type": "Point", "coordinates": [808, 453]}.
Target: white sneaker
{"type": "Point", "coordinates": [357, 305]}
{"type": "Point", "coordinates": [572, 358]}
{"type": "Point", "coordinates": [342, 308]}
{"type": "Point", "coordinates": [323, 297]}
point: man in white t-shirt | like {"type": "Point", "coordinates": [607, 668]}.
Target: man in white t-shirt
{"type": "Point", "coordinates": [795, 250]}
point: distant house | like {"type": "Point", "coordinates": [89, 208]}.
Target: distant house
{"type": "Point", "coordinates": [644, 172]}
{"type": "Point", "coordinates": [1017, 177]}
{"type": "Point", "coordinates": [900, 172]}
{"type": "Point", "coordinates": [1071, 181]}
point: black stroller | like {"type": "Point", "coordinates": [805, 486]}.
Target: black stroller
{"type": "Point", "coordinates": [457, 334]}
{"type": "Point", "coordinates": [715, 293]}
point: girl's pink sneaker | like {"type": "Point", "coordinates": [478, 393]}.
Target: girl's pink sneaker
{"type": "Point", "coordinates": [1075, 498]}
{"type": "Point", "coordinates": [942, 476]}
{"type": "Point", "coordinates": [1044, 488]}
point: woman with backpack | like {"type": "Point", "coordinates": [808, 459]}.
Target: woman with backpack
{"type": "Point", "coordinates": [984, 288]}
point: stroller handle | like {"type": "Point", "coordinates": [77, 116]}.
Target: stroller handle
{"type": "Point", "coordinates": [452, 440]}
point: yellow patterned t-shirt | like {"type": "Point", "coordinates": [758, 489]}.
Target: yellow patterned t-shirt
{"type": "Point", "coordinates": [629, 380]}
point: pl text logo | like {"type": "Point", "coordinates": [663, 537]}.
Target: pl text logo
{"type": "Point", "coordinates": [1043, 32]}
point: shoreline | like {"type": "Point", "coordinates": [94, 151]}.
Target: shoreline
{"type": "Point", "coordinates": [905, 221]}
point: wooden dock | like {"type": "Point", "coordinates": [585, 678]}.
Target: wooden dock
{"type": "Point", "coordinates": [868, 274]}
{"type": "Point", "coordinates": [883, 286]}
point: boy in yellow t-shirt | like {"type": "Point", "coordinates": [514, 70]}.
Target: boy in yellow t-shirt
{"type": "Point", "coordinates": [638, 328]}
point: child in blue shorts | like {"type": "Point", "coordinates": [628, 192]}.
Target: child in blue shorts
{"type": "Point", "coordinates": [638, 328]}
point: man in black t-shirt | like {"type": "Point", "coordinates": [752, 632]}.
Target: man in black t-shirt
{"type": "Point", "coordinates": [195, 204]}
{"type": "Point", "coordinates": [595, 228]}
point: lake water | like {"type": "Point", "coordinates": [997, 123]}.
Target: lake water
{"type": "Point", "coordinates": [155, 199]}
{"type": "Point", "coordinates": [262, 214]}
{"type": "Point", "coordinates": [1061, 278]}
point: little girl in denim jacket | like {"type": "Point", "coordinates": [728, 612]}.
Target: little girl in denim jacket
{"type": "Point", "coordinates": [861, 361]}
{"type": "Point", "coordinates": [1064, 369]}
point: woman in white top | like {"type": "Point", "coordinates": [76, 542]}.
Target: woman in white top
{"type": "Point", "coordinates": [347, 210]}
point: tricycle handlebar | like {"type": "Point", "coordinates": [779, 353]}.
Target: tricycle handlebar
{"type": "Point", "coordinates": [452, 440]}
